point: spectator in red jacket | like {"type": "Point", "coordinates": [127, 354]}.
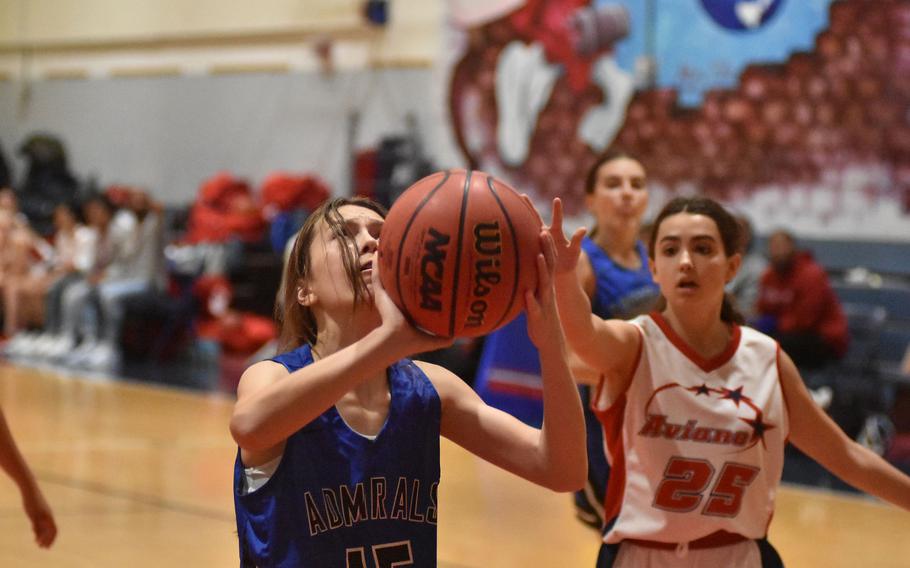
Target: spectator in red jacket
{"type": "Point", "coordinates": [798, 307]}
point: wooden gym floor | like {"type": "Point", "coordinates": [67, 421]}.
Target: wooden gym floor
{"type": "Point", "coordinates": [140, 476]}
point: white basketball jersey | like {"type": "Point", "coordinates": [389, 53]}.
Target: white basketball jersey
{"type": "Point", "coordinates": [696, 446]}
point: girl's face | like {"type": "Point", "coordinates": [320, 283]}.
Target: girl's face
{"type": "Point", "coordinates": [620, 192]}
{"type": "Point", "coordinates": [329, 285]}
{"type": "Point", "coordinates": [8, 200]}
{"type": "Point", "coordinates": [690, 264]}
{"type": "Point", "coordinates": [64, 219]}
{"type": "Point", "coordinates": [97, 215]}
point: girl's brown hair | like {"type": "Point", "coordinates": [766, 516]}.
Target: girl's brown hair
{"type": "Point", "coordinates": [296, 322]}
{"type": "Point", "coordinates": [727, 226]}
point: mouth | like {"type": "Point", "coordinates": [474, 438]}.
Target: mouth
{"type": "Point", "coordinates": [366, 269]}
{"type": "Point", "coordinates": [687, 285]}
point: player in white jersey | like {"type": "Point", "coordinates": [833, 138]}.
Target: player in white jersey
{"type": "Point", "coordinates": [697, 409]}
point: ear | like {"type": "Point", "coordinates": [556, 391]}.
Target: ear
{"type": "Point", "coordinates": [304, 296]}
{"type": "Point", "coordinates": [652, 267]}
{"type": "Point", "coordinates": [733, 264]}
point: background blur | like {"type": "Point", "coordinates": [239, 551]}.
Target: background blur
{"type": "Point", "coordinates": [239, 118]}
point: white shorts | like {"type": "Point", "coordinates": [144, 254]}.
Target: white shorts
{"type": "Point", "coordinates": [743, 554]}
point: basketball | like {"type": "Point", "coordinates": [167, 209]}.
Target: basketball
{"type": "Point", "coordinates": [458, 251]}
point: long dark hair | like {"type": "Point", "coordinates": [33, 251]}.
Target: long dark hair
{"type": "Point", "coordinates": [727, 226]}
{"type": "Point", "coordinates": [296, 322]}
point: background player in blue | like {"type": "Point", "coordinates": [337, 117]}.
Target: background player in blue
{"type": "Point", "coordinates": [339, 438]}
{"type": "Point", "coordinates": [668, 508]}
{"type": "Point", "coordinates": [613, 272]}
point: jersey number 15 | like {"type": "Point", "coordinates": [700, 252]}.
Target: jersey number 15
{"type": "Point", "coordinates": [390, 555]}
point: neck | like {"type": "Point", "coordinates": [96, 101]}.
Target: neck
{"type": "Point", "coordinates": [619, 243]}
{"type": "Point", "coordinates": [335, 335]}
{"type": "Point", "coordinates": [702, 330]}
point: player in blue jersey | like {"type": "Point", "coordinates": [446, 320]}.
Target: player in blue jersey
{"type": "Point", "coordinates": [613, 271]}
{"type": "Point", "coordinates": [339, 436]}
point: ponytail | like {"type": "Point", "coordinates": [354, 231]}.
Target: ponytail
{"type": "Point", "coordinates": [729, 313]}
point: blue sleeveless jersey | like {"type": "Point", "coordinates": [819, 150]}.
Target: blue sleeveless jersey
{"type": "Point", "coordinates": [341, 499]}
{"type": "Point", "coordinates": [620, 292]}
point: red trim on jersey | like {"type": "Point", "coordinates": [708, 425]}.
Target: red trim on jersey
{"type": "Point", "coordinates": [514, 389]}
{"type": "Point", "coordinates": [706, 365]}
{"type": "Point", "coordinates": [612, 420]}
{"type": "Point", "coordinates": [713, 540]}
{"type": "Point", "coordinates": [783, 393]}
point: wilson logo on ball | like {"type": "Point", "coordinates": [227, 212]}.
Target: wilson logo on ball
{"type": "Point", "coordinates": [487, 244]}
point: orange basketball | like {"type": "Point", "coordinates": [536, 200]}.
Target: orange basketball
{"type": "Point", "coordinates": [457, 252]}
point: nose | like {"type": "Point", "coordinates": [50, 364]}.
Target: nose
{"type": "Point", "coordinates": [685, 260]}
{"type": "Point", "coordinates": [368, 243]}
{"type": "Point", "coordinates": [627, 189]}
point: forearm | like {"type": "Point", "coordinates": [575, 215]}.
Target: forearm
{"type": "Point", "coordinates": [270, 415]}
{"type": "Point", "coordinates": [867, 471]}
{"type": "Point", "coordinates": [574, 311]}
{"type": "Point", "coordinates": [563, 450]}
{"type": "Point", "coordinates": [11, 459]}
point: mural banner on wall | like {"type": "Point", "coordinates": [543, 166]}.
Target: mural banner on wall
{"type": "Point", "coordinates": [795, 112]}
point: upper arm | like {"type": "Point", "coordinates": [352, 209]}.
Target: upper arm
{"type": "Point", "coordinates": [811, 430]}
{"type": "Point", "coordinates": [259, 376]}
{"type": "Point", "coordinates": [612, 348]}
{"type": "Point", "coordinates": [468, 421]}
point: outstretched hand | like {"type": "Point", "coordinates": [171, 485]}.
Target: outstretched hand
{"type": "Point", "coordinates": [566, 250]}
{"type": "Point", "coordinates": [39, 513]}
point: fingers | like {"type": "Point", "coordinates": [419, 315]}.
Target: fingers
{"type": "Point", "coordinates": [548, 250]}
{"type": "Point", "coordinates": [546, 263]}
{"type": "Point", "coordinates": [45, 531]}
{"type": "Point", "coordinates": [576, 238]}
{"type": "Point", "coordinates": [531, 305]}
{"type": "Point", "coordinates": [556, 220]}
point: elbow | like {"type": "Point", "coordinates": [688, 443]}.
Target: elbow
{"type": "Point", "coordinates": [246, 433]}
{"type": "Point", "coordinates": [569, 479]}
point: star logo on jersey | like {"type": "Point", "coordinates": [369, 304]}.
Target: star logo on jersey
{"type": "Point", "coordinates": [735, 395]}
{"type": "Point", "coordinates": [758, 429]}
{"type": "Point", "coordinates": [662, 426]}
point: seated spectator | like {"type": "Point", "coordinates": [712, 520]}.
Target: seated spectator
{"type": "Point", "coordinates": [798, 307]}
{"type": "Point", "coordinates": [34, 298]}
{"type": "Point", "coordinates": [23, 254]}
{"type": "Point", "coordinates": [745, 285]}
{"type": "Point", "coordinates": [128, 263]}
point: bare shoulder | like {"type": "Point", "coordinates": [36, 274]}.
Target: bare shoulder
{"type": "Point", "coordinates": [623, 334]}
{"type": "Point", "coordinates": [259, 375]}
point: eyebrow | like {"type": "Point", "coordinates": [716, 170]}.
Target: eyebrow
{"type": "Point", "coordinates": [370, 222]}
{"type": "Point", "coordinates": [675, 238]}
